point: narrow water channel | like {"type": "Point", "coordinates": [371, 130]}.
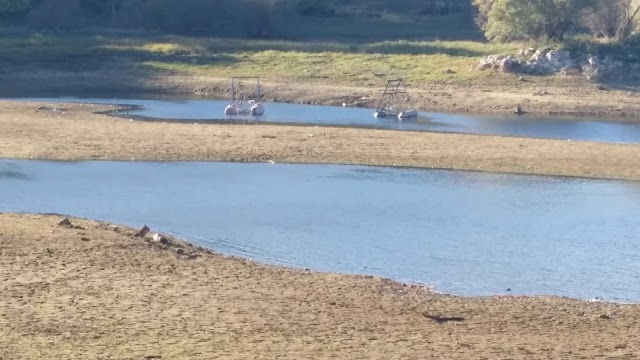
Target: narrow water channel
{"type": "Point", "coordinates": [600, 130]}
{"type": "Point", "coordinates": [463, 232]}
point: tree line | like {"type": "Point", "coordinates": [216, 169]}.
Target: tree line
{"type": "Point", "coordinates": [506, 20]}
{"type": "Point", "coordinates": [500, 20]}
{"type": "Point", "coordinates": [250, 18]}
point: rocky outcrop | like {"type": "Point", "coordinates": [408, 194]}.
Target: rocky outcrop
{"type": "Point", "coordinates": [547, 61]}
{"type": "Point", "coordinates": [504, 63]}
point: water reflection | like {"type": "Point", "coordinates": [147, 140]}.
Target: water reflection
{"type": "Point", "coordinates": [523, 126]}
{"type": "Point", "coordinates": [464, 232]}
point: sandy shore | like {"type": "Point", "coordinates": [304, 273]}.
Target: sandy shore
{"type": "Point", "coordinates": [95, 291]}
{"type": "Point", "coordinates": [550, 95]}
{"type": "Point", "coordinates": [75, 132]}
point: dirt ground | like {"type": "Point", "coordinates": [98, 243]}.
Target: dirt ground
{"type": "Point", "coordinates": [95, 291]}
{"type": "Point", "coordinates": [551, 95]}
{"type": "Point", "coordinates": [75, 132]}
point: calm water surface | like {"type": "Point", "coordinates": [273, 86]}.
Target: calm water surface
{"type": "Point", "coordinates": [463, 232]}
{"type": "Point", "coordinates": [524, 126]}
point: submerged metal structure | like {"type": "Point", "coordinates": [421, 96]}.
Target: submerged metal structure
{"type": "Point", "coordinates": [394, 94]}
{"type": "Point", "coordinates": [241, 103]}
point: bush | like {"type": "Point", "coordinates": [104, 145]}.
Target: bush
{"type": "Point", "coordinates": [533, 19]}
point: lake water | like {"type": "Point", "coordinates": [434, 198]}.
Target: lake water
{"type": "Point", "coordinates": [463, 232]}
{"type": "Point", "coordinates": [506, 125]}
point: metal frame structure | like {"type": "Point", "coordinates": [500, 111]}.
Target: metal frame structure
{"type": "Point", "coordinates": [237, 106]}
{"type": "Point", "coordinates": [238, 79]}
{"type": "Point", "coordinates": [392, 92]}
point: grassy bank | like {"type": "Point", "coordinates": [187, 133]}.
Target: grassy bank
{"type": "Point", "coordinates": [440, 74]}
{"type": "Point", "coordinates": [331, 62]}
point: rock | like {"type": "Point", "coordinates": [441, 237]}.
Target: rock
{"type": "Point", "coordinates": [509, 64]}
{"type": "Point", "coordinates": [518, 110]}
{"type": "Point", "coordinates": [605, 317]}
{"type": "Point", "coordinates": [521, 78]}
{"type": "Point", "coordinates": [548, 61]}
{"type": "Point", "coordinates": [596, 69]}
{"type": "Point", "coordinates": [65, 222]}
{"type": "Point", "coordinates": [143, 231]}
{"type": "Point", "coordinates": [538, 56]}
{"type": "Point", "coordinates": [559, 59]}
{"type": "Point", "coordinates": [498, 62]}
{"type": "Point", "coordinates": [490, 62]}
{"type": "Point", "coordinates": [180, 251]}
{"type": "Point", "coordinates": [448, 71]}
{"type": "Point", "coordinates": [569, 71]}
{"type": "Point", "coordinates": [159, 238]}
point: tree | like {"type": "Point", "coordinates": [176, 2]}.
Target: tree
{"type": "Point", "coordinates": [9, 7]}
{"type": "Point", "coordinates": [483, 8]}
{"type": "Point", "coordinates": [533, 19]}
{"type": "Point", "coordinates": [613, 18]}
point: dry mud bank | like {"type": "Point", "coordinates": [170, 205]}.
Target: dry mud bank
{"type": "Point", "coordinates": [95, 290]}
{"type": "Point", "coordinates": [75, 132]}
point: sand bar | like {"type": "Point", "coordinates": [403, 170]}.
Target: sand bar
{"type": "Point", "coordinates": [75, 132]}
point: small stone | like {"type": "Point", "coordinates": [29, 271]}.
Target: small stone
{"type": "Point", "coordinates": [84, 238]}
{"type": "Point", "coordinates": [143, 231]}
{"type": "Point", "coordinates": [508, 289]}
{"type": "Point", "coordinates": [159, 238]}
{"type": "Point", "coordinates": [180, 251]}
{"type": "Point", "coordinates": [65, 222]}
{"type": "Point", "coordinates": [605, 317]}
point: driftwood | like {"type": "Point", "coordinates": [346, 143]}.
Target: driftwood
{"type": "Point", "coordinates": [442, 319]}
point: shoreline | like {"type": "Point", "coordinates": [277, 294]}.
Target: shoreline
{"type": "Point", "coordinates": [76, 132]}
{"type": "Point", "coordinates": [392, 166]}
{"type": "Point", "coordinates": [178, 242]}
{"type": "Point", "coordinates": [542, 95]}
{"type": "Point", "coordinates": [128, 296]}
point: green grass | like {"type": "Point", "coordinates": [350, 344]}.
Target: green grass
{"type": "Point", "coordinates": [344, 63]}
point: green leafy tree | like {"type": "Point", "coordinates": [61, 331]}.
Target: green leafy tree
{"type": "Point", "coordinates": [533, 19]}
{"type": "Point", "coordinates": [8, 7]}
{"type": "Point", "coordinates": [482, 15]}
